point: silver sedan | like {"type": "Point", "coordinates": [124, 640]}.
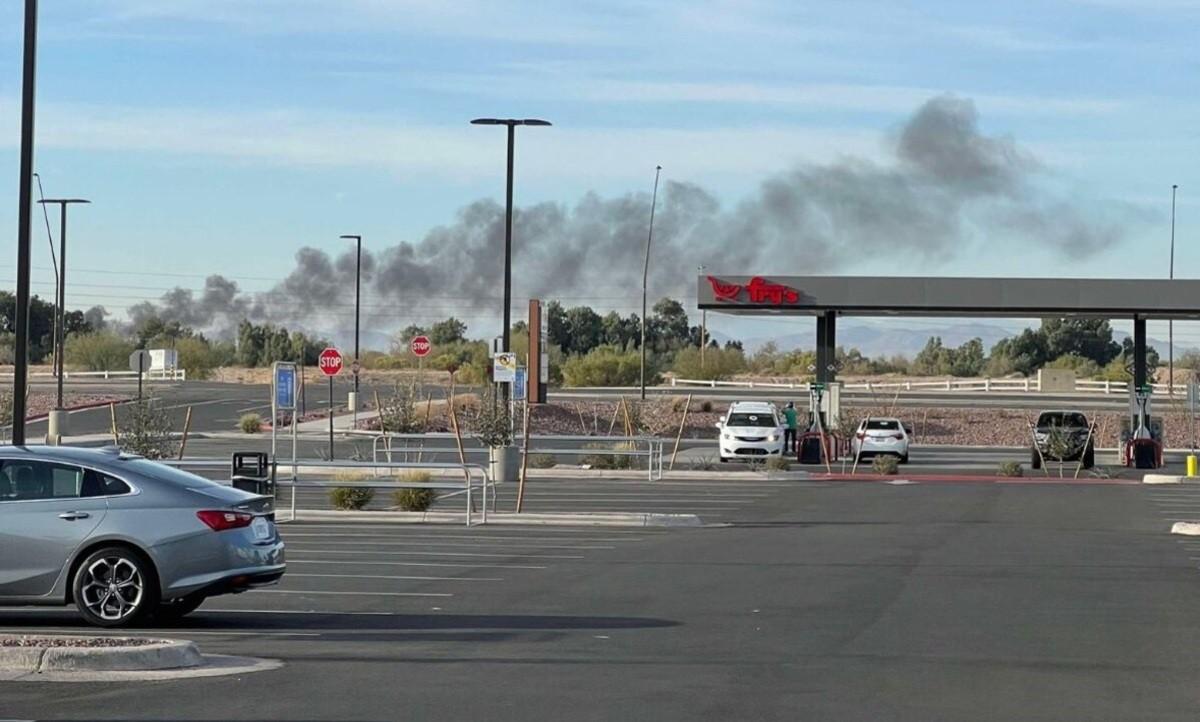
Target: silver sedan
{"type": "Point", "coordinates": [124, 538]}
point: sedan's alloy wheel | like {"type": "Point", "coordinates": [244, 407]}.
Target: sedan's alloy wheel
{"type": "Point", "coordinates": [113, 588]}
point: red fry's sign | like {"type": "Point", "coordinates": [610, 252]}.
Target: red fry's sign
{"type": "Point", "coordinates": [758, 290]}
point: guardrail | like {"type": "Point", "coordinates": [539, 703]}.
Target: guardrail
{"type": "Point", "coordinates": [466, 486]}
{"type": "Point", "coordinates": [654, 451]}
{"type": "Point", "coordinates": [986, 385]}
{"type": "Point", "coordinates": [167, 375]}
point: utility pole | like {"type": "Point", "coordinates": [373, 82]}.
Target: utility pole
{"type": "Point", "coordinates": [645, 277]}
{"type": "Point", "coordinates": [58, 418]}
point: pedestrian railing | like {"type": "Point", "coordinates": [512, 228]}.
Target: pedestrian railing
{"type": "Point", "coordinates": [652, 448]}
{"type": "Point", "coordinates": [986, 385]}
{"type": "Point", "coordinates": [167, 375]}
{"type": "Point", "coordinates": [475, 476]}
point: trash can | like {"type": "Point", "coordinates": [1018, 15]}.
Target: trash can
{"type": "Point", "coordinates": [1145, 454]}
{"type": "Point", "coordinates": [810, 449]}
{"type": "Point", "coordinates": [251, 471]}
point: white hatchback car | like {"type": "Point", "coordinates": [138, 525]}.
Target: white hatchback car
{"type": "Point", "coordinates": [877, 436]}
{"type": "Point", "coordinates": [751, 430]}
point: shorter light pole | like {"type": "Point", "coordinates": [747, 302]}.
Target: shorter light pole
{"type": "Point", "coordinates": [357, 306]}
{"type": "Point", "coordinates": [645, 279]}
{"type": "Point", "coordinates": [58, 420]}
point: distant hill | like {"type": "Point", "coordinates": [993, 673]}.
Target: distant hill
{"type": "Point", "coordinates": [874, 340]}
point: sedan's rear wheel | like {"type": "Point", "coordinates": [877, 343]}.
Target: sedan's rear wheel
{"type": "Point", "coordinates": [115, 587]}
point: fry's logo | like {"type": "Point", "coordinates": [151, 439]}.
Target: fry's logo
{"type": "Point", "coordinates": [759, 290]}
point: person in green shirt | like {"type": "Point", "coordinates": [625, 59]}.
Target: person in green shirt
{"type": "Point", "coordinates": [789, 431]}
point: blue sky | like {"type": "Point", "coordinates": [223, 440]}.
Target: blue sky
{"type": "Point", "coordinates": [218, 136]}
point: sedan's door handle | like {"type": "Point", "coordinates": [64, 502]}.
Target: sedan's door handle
{"type": "Point", "coordinates": [74, 515]}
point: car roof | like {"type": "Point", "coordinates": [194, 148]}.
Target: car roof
{"type": "Point", "coordinates": [752, 406]}
{"type": "Point", "coordinates": [106, 457]}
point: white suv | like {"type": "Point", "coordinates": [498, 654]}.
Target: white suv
{"type": "Point", "coordinates": [751, 430]}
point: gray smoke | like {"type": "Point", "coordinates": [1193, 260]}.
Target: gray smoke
{"type": "Point", "coordinates": [945, 188]}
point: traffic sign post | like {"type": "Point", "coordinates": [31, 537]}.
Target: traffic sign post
{"type": "Point", "coordinates": [139, 361]}
{"type": "Point", "coordinates": [330, 363]}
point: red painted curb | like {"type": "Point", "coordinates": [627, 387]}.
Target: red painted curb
{"type": "Point", "coordinates": [81, 407]}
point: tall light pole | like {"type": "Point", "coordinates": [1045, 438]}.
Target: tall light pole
{"type": "Point", "coordinates": [1171, 322]}
{"type": "Point", "coordinates": [357, 306]}
{"type": "Point", "coordinates": [646, 276]}
{"type": "Point", "coordinates": [703, 325]}
{"type": "Point", "coordinates": [25, 206]}
{"type": "Point", "coordinates": [512, 124]}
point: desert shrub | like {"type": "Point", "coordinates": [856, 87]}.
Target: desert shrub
{"type": "Point", "coordinates": [6, 408]}
{"type": "Point", "coordinates": [608, 461]}
{"type": "Point", "coordinates": [415, 499]}
{"type": "Point", "coordinates": [886, 465]}
{"type": "Point", "coordinates": [351, 498]}
{"type": "Point", "coordinates": [678, 403]}
{"type": "Point", "coordinates": [778, 463]}
{"type": "Point", "coordinates": [542, 461]}
{"type": "Point", "coordinates": [706, 406]}
{"type": "Point", "coordinates": [719, 363]}
{"type": "Point", "coordinates": [704, 463]}
{"type": "Point", "coordinates": [146, 431]}
{"type": "Point", "coordinates": [1083, 367]}
{"type": "Point", "coordinates": [198, 357]}
{"type": "Point", "coordinates": [1011, 468]}
{"type": "Point", "coordinates": [98, 352]}
{"type": "Point", "coordinates": [605, 366]}
{"type": "Point", "coordinates": [398, 412]}
{"type": "Point", "coordinates": [250, 423]}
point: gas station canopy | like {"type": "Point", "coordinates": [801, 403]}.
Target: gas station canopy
{"type": "Point", "coordinates": [945, 296]}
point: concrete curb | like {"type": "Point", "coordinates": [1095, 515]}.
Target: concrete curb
{"type": "Point", "coordinates": [1186, 528]}
{"type": "Point", "coordinates": [613, 519]}
{"type": "Point", "coordinates": [167, 654]}
{"type": "Point", "coordinates": [1163, 479]}
{"type": "Point", "coordinates": [83, 407]}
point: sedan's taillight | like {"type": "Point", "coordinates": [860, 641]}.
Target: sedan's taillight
{"type": "Point", "coordinates": [899, 437]}
{"type": "Point", "coordinates": [223, 520]}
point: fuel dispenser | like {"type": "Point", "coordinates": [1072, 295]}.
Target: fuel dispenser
{"type": "Point", "coordinates": [1142, 435]}
{"type": "Point", "coordinates": [817, 444]}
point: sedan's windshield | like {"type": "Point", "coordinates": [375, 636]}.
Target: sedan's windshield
{"type": "Point", "coordinates": [744, 419]}
{"type": "Point", "coordinates": [170, 475]}
{"type": "Point", "coordinates": [1062, 419]}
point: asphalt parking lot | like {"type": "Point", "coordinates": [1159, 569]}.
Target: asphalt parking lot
{"type": "Point", "coordinates": [822, 601]}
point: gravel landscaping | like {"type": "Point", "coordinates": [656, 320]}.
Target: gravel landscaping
{"type": "Point", "coordinates": [28, 642]}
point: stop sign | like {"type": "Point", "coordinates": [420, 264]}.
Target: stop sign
{"type": "Point", "coordinates": [421, 346]}
{"type": "Point", "coordinates": [330, 361]}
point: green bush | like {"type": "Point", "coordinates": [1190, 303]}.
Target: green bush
{"type": "Point", "coordinates": [604, 366]}
{"type": "Point", "coordinates": [250, 423]}
{"type": "Point", "coordinates": [198, 357]}
{"type": "Point", "coordinates": [706, 407]}
{"type": "Point", "coordinates": [779, 463]}
{"type": "Point", "coordinates": [608, 461]}
{"type": "Point", "coordinates": [351, 498]}
{"type": "Point", "coordinates": [704, 463]}
{"type": "Point", "coordinates": [886, 465]}
{"type": "Point", "coordinates": [415, 499]}
{"type": "Point", "coordinates": [98, 352]}
{"type": "Point", "coordinates": [145, 430]}
{"type": "Point", "coordinates": [1011, 468]}
{"type": "Point", "coordinates": [1083, 367]}
{"type": "Point", "coordinates": [719, 363]}
{"type": "Point", "coordinates": [542, 461]}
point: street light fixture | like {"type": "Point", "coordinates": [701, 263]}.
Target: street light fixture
{"type": "Point", "coordinates": [58, 420]}
{"type": "Point", "coordinates": [512, 124]}
{"type": "Point", "coordinates": [357, 306]}
{"type": "Point", "coordinates": [645, 276]}
{"type": "Point", "coordinates": [24, 208]}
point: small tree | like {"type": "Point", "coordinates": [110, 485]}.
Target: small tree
{"type": "Point", "coordinates": [1058, 445]}
{"type": "Point", "coordinates": [490, 422]}
{"type": "Point", "coordinates": [398, 414]}
{"type": "Point", "coordinates": [6, 409]}
{"type": "Point", "coordinates": [146, 431]}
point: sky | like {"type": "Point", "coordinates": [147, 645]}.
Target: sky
{"type": "Point", "coordinates": [221, 136]}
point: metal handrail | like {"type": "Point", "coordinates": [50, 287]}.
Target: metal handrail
{"type": "Point", "coordinates": [466, 486]}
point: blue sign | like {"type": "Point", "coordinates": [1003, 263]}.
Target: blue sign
{"type": "Point", "coordinates": [518, 388]}
{"type": "Point", "coordinates": [285, 386]}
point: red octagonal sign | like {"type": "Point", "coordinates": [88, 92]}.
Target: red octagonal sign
{"type": "Point", "coordinates": [421, 346]}
{"type": "Point", "coordinates": [330, 361]}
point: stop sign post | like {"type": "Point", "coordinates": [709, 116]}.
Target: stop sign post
{"type": "Point", "coordinates": [330, 363]}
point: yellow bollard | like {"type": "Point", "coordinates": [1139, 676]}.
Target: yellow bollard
{"type": "Point", "coordinates": [1191, 465]}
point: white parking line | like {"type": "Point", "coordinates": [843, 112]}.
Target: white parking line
{"type": "Point", "coordinates": [361, 552]}
{"type": "Point", "coordinates": [293, 575]}
{"type": "Point", "coordinates": [451, 545]}
{"type": "Point", "coordinates": [347, 562]}
{"type": "Point", "coordinates": [299, 592]}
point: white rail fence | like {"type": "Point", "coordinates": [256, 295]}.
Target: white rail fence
{"type": "Point", "coordinates": [167, 375]}
{"type": "Point", "coordinates": [966, 385]}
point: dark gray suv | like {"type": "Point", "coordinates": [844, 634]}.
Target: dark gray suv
{"type": "Point", "coordinates": [1069, 432]}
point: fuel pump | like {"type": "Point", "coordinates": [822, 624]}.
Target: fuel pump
{"type": "Point", "coordinates": [816, 445]}
{"type": "Point", "coordinates": [1142, 444]}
